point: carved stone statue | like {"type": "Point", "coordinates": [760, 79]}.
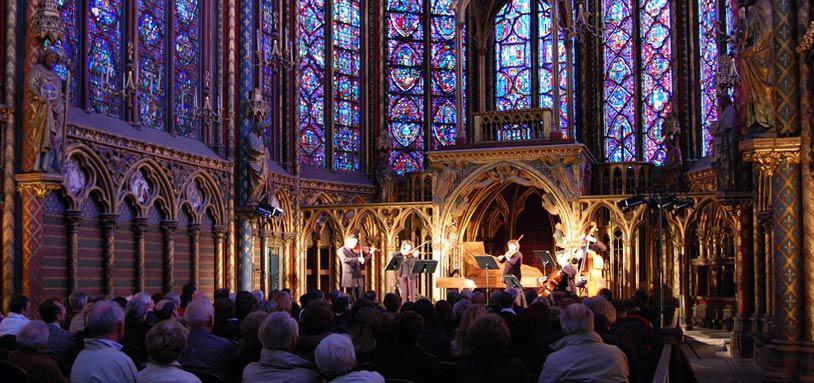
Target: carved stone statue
{"type": "Point", "coordinates": [724, 144]}
{"type": "Point", "coordinates": [47, 117]}
{"type": "Point", "coordinates": [257, 162]}
{"type": "Point", "coordinates": [445, 182]}
{"type": "Point", "coordinates": [140, 187]}
{"type": "Point", "coordinates": [755, 66]}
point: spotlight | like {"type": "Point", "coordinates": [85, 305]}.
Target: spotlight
{"type": "Point", "coordinates": [267, 211]}
{"type": "Point", "coordinates": [682, 204]}
{"type": "Point", "coordinates": [627, 204]}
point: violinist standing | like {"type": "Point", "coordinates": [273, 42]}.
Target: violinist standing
{"type": "Point", "coordinates": [407, 279]}
{"type": "Point", "coordinates": [353, 264]}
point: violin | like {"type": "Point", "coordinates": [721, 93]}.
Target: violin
{"type": "Point", "coordinates": [364, 249]}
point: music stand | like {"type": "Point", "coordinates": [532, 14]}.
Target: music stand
{"type": "Point", "coordinates": [395, 265]}
{"type": "Point", "coordinates": [424, 266]}
{"type": "Point", "coordinates": [545, 257]}
{"type": "Point", "coordinates": [487, 262]}
{"type": "Point", "coordinates": [512, 281]}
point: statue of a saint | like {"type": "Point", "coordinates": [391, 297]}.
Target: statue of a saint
{"type": "Point", "coordinates": [257, 161]}
{"type": "Point", "coordinates": [755, 66]}
{"type": "Point", "coordinates": [47, 117]}
{"type": "Point", "coordinates": [724, 148]}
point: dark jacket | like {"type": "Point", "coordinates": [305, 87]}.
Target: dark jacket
{"type": "Point", "coordinates": [40, 367]}
{"type": "Point", "coordinates": [496, 366]}
{"type": "Point", "coordinates": [207, 352]}
{"type": "Point", "coordinates": [406, 362]}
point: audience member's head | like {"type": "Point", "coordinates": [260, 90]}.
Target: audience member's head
{"type": "Point", "coordinates": [78, 301]}
{"type": "Point", "coordinates": [392, 303]}
{"type": "Point", "coordinates": [283, 300]}
{"type": "Point", "coordinates": [469, 316]}
{"type": "Point", "coordinates": [607, 294]}
{"type": "Point", "coordinates": [250, 328]}
{"type": "Point", "coordinates": [105, 320]}
{"type": "Point", "coordinates": [221, 293]}
{"type": "Point", "coordinates": [370, 296]}
{"type": "Point", "coordinates": [165, 342]}
{"type": "Point", "coordinates": [33, 336]}
{"type": "Point", "coordinates": [335, 356]}
{"type": "Point", "coordinates": [200, 314]}
{"type": "Point", "coordinates": [258, 295]}
{"type": "Point", "coordinates": [488, 334]}
{"type": "Point", "coordinates": [265, 306]}
{"type": "Point", "coordinates": [631, 306]}
{"type": "Point", "coordinates": [642, 298]}
{"type": "Point", "coordinates": [505, 300]}
{"type": "Point", "coordinates": [279, 332]}
{"type": "Point", "coordinates": [19, 304]}
{"type": "Point", "coordinates": [478, 298]}
{"type": "Point", "coordinates": [166, 309]}
{"type": "Point", "coordinates": [317, 318]}
{"type": "Point", "coordinates": [224, 310]}
{"type": "Point", "coordinates": [453, 297]}
{"type": "Point", "coordinates": [601, 307]}
{"type": "Point", "coordinates": [459, 308]}
{"type": "Point", "coordinates": [365, 322]}
{"type": "Point", "coordinates": [122, 302]}
{"type": "Point", "coordinates": [244, 302]}
{"type": "Point", "coordinates": [577, 319]}
{"type": "Point", "coordinates": [52, 311]}
{"type": "Point", "coordinates": [187, 293]}
{"type": "Point", "coordinates": [425, 308]}
{"type": "Point", "coordinates": [139, 306]}
{"type": "Point", "coordinates": [341, 304]}
{"type": "Point", "coordinates": [407, 328]}
{"type": "Point", "coordinates": [443, 311]}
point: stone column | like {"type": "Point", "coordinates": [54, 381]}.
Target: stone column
{"type": "Point", "coordinates": [217, 241]}
{"type": "Point", "coordinates": [139, 227]}
{"type": "Point", "coordinates": [245, 250]}
{"type": "Point", "coordinates": [73, 219]}
{"type": "Point", "coordinates": [195, 246]}
{"type": "Point", "coordinates": [33, 188]}
{"type": "Point", "coordinates": [741, 337]}
{"type": "Point", "coordinates": [264, 264]}
{"type": "Point", "coordinates": [169, 228]}
{"type": "Point", "coordinates": [109, 225]}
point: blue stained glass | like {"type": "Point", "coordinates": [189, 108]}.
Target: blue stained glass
{"type": "Point", "coordinates": [513, 44]}
{"type": "Point", "coordinates": [346, 84]}
{"type": "Point", "coordinates": [105, 56]}
{"type": "Point", "coordinates": [69, 12]}
{"type": "Point", "coordinates": [151, 34]}
{"type": "Point", "coordinates": [266, 44]}
{"type": "Point", "coordinates": [311, 94]}
{"type": "Point", "coordinates": [187, 65]}
{"type": "Point", "coordinates": [620, 138]}
{"type": "Point", "coordinates": [657, 77]}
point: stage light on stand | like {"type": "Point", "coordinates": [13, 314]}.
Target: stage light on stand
{"type": "Point", "coordinates": [267, 211]}
{"type": "Point", "coordinates": [629, 203]}
{"type": "Point", "coordinates": [682, 204]}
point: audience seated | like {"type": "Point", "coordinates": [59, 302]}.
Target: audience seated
{"type": "Point", "coordinates": [226, 324]}
{"type": "Point", "coordinates": [32, 339]}
{"type": "Point", "coordinates": [61, 343]}
{"type": "Point", "coordinates": [136, 326]}
{"type": "Point", "coordinates": [404, 358]}
{"type": "Point", "coordinates": [392, 303]}
{"type": "Point", "coordinates": [167, 309]}
{"type": "Point", "coordinates": [336, 359]}
{"type": "Point", "coordinates": [102, 360]}
{"type": "Point", "coordinates": [249, 347]}
{"type": "Point", "coordinates": [278, 335]}
{"type": "Point", "coordinates": [365, 322]}
{"type": "Point", "coordinates": [581, 356]}
{"type": "Point", "coordinates": [164, 344]}
{"type": "Point", "coordinates": [488, 358]}
{"type": "Point", "coordinates": [434, 339]}
{"type": "Point", "coordinates": [315, 324]}
{"type": "Point", "coordinates": [604, 318]}
{"type": "Point", "coordinates": [78, 302]}
{"type": "Point", "coordinates": [458, 346]}
{"type": "Point", "coordinates": [17, 316]}
{"type": "Point", "coordinates": [205, 351]}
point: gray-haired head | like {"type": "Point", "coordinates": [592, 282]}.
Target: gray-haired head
{"type": "Point", "coordinates": [278, 331]}
{"type": "Point", "coordinates": [78, 300]}
{"type": "Point", "coordinates": [335, 355]}
{"type": "Point", "coordinates": [34, 335]}
{"type": "Point", "coordinates": [139, 305]}
{"type": "Point", "coordinates": [258, 295]}
{"type": "Point", "coordinates": [104, 318]}
{"type": "Point", "coordinates": [600, 306]}
{"type": "Point", "coordinates": [459, 308]}
{"type": "Point", "coordinates": [577, 319]}
{"type": "Point", "coordinates": [173, 296]}
{"type": "Point", "coordinates": [166, 341]}
{"type": "Point", "coordinates": [200, 313]}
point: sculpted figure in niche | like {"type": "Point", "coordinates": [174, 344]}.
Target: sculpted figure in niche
{"type": "Point", "coordinates": [257, 163]}
{"type": "Point", "coordinates": [724, 144]}
{"type": "Point", "coordinates": [74, 176]}
{"type": "Point", "coordinates": [47, 118]}
{"type": "Point", "coordinates": [139, 187]}
{"type": "Point", "coordinates": [755, 66]}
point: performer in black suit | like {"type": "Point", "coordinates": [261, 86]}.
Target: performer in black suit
{"type": "Point", "coordinates": [353, 259]}
{"type": "Point", "coordinates": [512, 259]}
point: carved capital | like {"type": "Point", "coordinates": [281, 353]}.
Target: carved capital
{"type": "Point", "coordinates": [38, 184]}
{"type": "Point", "coordinates": [169, 227]}
{"type": "Point", "coordinates": [140, 225]}
{"type": "Point", "coordinates": [46, 23]}
{"type": "Point", "coordinates": [109, 222]}
{"type": "Point", "coordinates": [73, 219]}
{"type": "Point", "coordinates": [768, 153]}
{"type": "Point", "coordinates": [195, 229]}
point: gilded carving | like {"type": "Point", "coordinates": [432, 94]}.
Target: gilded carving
{"type": "Point", "coordinates": [755, 66]}
{"type": "Point", "coordinates": [46, 112]}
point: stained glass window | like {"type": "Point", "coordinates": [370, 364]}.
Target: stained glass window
{"type": "Point", "coordinates": [187, 65]}
{"type": "Point", "coordinates": [657, 75]}
{"type": "Point", "coordinates": [405, 84]}
{"type": "Point", "coordinates": [443, 65]}
{"type": "Point", "coordinates": [69, 12]}
{"type": "Point", "coordinates": [311, 99]}
{"type": "Point", "coordinates": [620, 119]}
{"type": "Point", "coordinates": [346, 83]}
{"type": "Point", "coordinates": [411, 47]}
{"type": "Point", "coordinates": [513, 52]}
{"type": "Point", "coordinates": [151, 48]}
{"type": "Point", "coordinates": [517, 23]}
{"type": "Point", "coordinates": [105, 55]}
{"type": "Point", "coordinates": [708, 53]}
{"type": "Point", "coordinates": [266, 44]}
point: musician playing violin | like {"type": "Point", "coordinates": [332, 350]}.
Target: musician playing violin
{"type": "Point", "coordinates": [353, 258]}
{"type": "Point", "coordinates": [407, 279]}
{"type": "Point", "coordinates": [512, 259]}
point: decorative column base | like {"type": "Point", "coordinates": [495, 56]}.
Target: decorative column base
{"type": "Point", "coordinates": [742, 342]}
{"type": "Point", "coordinates": [778, 361]}
{"type": "Point", "coordinates": [33, 188]}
